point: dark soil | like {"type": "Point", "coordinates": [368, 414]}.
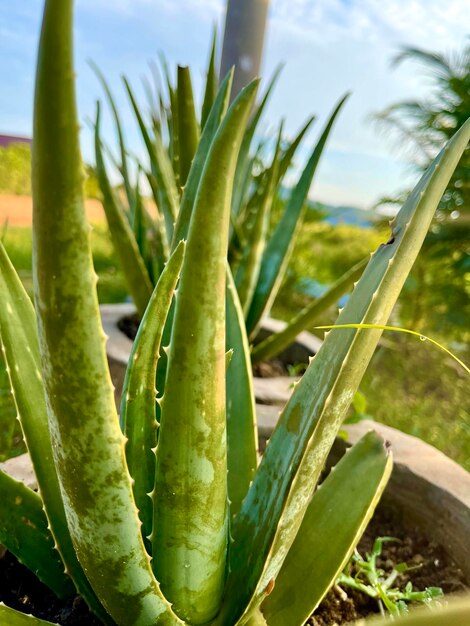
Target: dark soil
{"type": "Point", "coordinates": [129, 325]}
{"type": "Point", "coordinates": [20, 589]}
{"type": "Point", "coordinates": [270, 369]}
{"type": "Point", "coordinates": [435, 570]}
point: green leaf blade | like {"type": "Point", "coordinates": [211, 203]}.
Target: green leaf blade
{"type": "Point", "coordinates": [242, 436]}
{"type": "Point", "coordinates": [16, 618]}
{"type": "Point", "coordinates": [162, 170]}
{"type": "Point", "coordinates": [249, 267]}
{"type": "Point", "coordinates": [216, 115]}
{"type": "Point", "coordinates": [187, 123]}
{"type": "Point", "coordinates": [212, 83]}
{"type": "Point", "coordinates": [20, 345]}
{"type": "Point", "coordinates": [455, 612]}
{"type": "Point", "coordinates": [273, 509]}
{"type": "Point", "coordinates": [124, 241]}
{"type": "Point", "coordinates": [100, 509]}
{"type": "Point", "coordinates": [191, 514]}
{"type": "Point", "coordinates": [139, 393]}
{"type": "Point", "coordinates": [333, 524]}
{"type": "Point", "coordinates": [24, 532]}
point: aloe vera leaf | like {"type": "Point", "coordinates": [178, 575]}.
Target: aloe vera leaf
{"type": "Point", "coordinates": [304, 319]}
{"type": "Point", "coordinates": [24, 532]}
{"type": "Point", "coordinates": [168, 197]}
{"type": "Point", "coordinates": [8, 420]}
{"type": "Point", "coordinates": [181, 230]}
{"type": "Point", "coordinates": [132, 263]}
{"type": "Point", "coordinates": [331, 528]}
{"type": "Point", "coordinates": [249, 267]}
{"type": "Point", "coordinates": [88, 445]}
{"type": "Point", "coordinates": [19, 339]}
{"type": "Point", "coordinates": [159, 222]}
{"type": "Point", "coordinates": [242, 436]}
{"type": "Point", "coordinates": [173, 128]}
{"type": "Point", "coordinates": [242, 174]}
{"type": "Point", "coordinates": [272, 511]}
{"type": "Point", "coordinates": [256, 619]}
{"type": "Point", "coordinates": [15, 618]}
{"type": "Point", "coordinates": [190, 535]}
{"type": "Point", "coordinates": [454, 612]}
{"type": "Point", "coordinates": [290, 151]}
{"type": "Point", "coordinates": [279, 248]}
{"type": "Point", "coordinates": [138, 397]}
{"type": "Point", "coordinates": [216, 115]}
{"type": "Point", "coordinates": [124, 169]}
{"type": "Point", "coordinates": [187, 123]}
{"type": "Point", "coordinates": [212, 83]}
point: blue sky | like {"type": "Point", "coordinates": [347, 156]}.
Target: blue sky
{"type": "Point", "coordinates": [328, 46]}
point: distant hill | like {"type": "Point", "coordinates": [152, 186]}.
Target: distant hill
{"type": "Point", "coordinates": [7, 140]}
{"type": "Point", "coordinates": [345, 215]}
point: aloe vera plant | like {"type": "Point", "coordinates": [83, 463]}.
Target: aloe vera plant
{"type": "Point", "coordinates": [136, 515]}
{"type": "Point", "coordinates": [258, 258]}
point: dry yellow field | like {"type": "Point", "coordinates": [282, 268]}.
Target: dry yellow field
{"type": "Point", "coordinates": [18, 210]}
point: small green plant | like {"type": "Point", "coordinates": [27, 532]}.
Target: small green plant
{"type": "Point", "coordinates": [364, 575]}
{"type": "Point", "coordinates": [172, 522]}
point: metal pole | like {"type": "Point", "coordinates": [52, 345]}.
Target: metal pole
{"type": "Point", "coordinates": [245, 24]}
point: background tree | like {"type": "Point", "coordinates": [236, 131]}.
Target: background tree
{"type": "Point", "coordinates": [426, 124]}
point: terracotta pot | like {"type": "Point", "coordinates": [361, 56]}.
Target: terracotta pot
{"type": "Point", "coordinates": [272, 391]}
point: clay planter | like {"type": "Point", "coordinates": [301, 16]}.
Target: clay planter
{"type": "Point", "coordinates": [270, 391]}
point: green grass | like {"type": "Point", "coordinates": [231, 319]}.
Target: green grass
{"type": "Point", "coordinates": [414, 387]}
{"type": "Point", "coordinates": [410, 385]}
{"type": "Point", "coordinates": [111, 283]}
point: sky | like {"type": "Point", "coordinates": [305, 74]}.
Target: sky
{"type": "Point", "coordinates": [328, 47]}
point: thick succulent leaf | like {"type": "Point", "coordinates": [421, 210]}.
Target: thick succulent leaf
{"type": "Point", "coordinates": [289, 152]}
{"type": "Point", "coordinates": [24, 532]}
{"type": "Point", "coordinates": [162, 170]}
{"type": "Point", "coordinates": [212, 84]}
{"type": "Point", "coordinates": [124, 241]}
{"type": "Point", "coordinates": [191, 514]}
{"type": "Point", "coordinates": [172, 120]}
{"type": "Point", "coordinates": [276, 343]}
{"type": "Point", "coordinates": [21, 350]}
{"type": "Point", "coordinates": [216, 115]}
{"type": "Point", "coordinates": [242, 439]}
{"type": "Point", "coordinates": [248, 269]}
{"type": "Point", "coordinates": [454, 612]}
{"type": "Point", "coordinates": [272, 512]}
{"type": "Point", "coordinates": [124, 169]}
{"type": "Point", "coordinates": [331, 528]}
{"type": "Point", "coordinates": [10, 617]}
{"type": "Point", "coordinates": [8, 419]}
{"type": "Point", "coordinates": [159, 221]}
{"type": "Point", "coordinates": [138, 397]}
{"type": "Point", "coordinates": [242, 174]}
{"type": "Point", "coordinates": [88, 445]}
{"type": "Point", "coordinates": [256, 619]}
{"type": "Point", "coordinates": [187, 123]}
{"type": "Point", "coordinates": [279, 248]}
